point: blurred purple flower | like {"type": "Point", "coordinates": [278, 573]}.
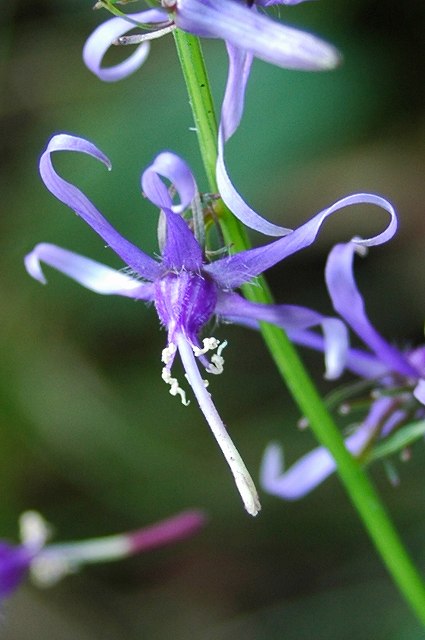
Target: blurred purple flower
{"type": "Point", "coordinates": [231, 20]}
{"type": "Point", "coordinates": [187, 290]}
{"type": "Point", "coordinates": [397, 380]}
{"type": "Point", "coordinates": [48, 563]}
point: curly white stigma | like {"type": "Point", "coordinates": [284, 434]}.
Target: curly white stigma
{"type": "Point", "coordinates": [216, 365]}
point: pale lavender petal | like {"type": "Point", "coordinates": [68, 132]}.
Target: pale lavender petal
{"type": "Point", "coordinates": [181, 250]}
{"type": "Point", "coordinates": [256, 33]}
{"type": "Point", "coordinates": [102, 38]}
{"type": "Point", "coordinates": [317, 465]}
{"type": "Point", "coordinates": [234, 308]}
{"type": "Point", "coordinates": [67, 193]}
{"type": "Point", "coordinates": [175, 169]}
{"type": "Point", "coordinates": [419, 391]}
{"type": "Point", "coordinates": [89, 273]}
{"type": "Point", "coordinates": [234, 270]}
{"type": "Point", "coordinates": [349, 303]}
{"type": "Point", "coordinates": [359, 362]}
{"type": "Point", "coordinates": [231, 114]}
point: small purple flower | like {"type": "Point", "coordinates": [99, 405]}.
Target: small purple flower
{"type": "Point", "coordinates": [231, 20]}
{"type": "Point", "coordinates": [397, 384]}
{"type": "Point", "coordinates": [185, 288]}
{"type": "Point", "coordinates": [49, 563]}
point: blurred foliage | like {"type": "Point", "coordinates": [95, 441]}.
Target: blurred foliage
{"type": "Point", "coordinates": [89, 434]}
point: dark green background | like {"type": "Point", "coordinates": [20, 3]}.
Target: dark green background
{"type": "Point", "coordinates": [89, 435]}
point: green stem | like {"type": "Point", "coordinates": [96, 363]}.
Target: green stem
{"type": "Point", "coordinates": [353, 476]}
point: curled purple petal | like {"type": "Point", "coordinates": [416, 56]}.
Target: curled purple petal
{"type": "Point", "coordinates": [104, 35]}
{"type": "Point", "coordinates": [175, 169]}
{"type": "Point", "coordinates": [89, 273]}
{"type": "Point", "coordinates": [67, 193]}
{"type": "Point", "coordinates": [310, 470]}
{"type": "Point", "coordinates": [349, 303]}
{"type": "Point", "coordinates": [231, 114]}
{"type": "Point", "coordinates": [235, 270]}
{"type": "Point", "coordinates": [256, 33]}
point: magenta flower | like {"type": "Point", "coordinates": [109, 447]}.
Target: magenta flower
{"type": "Point", "coordinates": [397, 385]}
{"type": "Point", "coordinates": [48, 563]}
{"type": "Point", "coordinates": [186, 289]}
{"type": "Point", "coordinates": [231, 20]}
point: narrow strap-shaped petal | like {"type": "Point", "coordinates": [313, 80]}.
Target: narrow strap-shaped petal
{"type": "Point", "coordinates": [349, 303]}
{"type": "Point", "coordinates": [419, 391]}
{"type": "Point", "coordinates": [89, 273]}
{"type": "Point", "coordinates": [362, 363]}
{"type": "Point", "coordinates": [310, 470]}
{"type": "Point", "coordinates": [181, 249]}
{"type": "Point", "coordinates": [67, 193]}
{"type": "Point", "coordinates": [232, 307]}
{"type": "Point", "coordinates": [231, 114]}
{"type": "Point", "coordinates": [243, 480]}
{"type": "Point", "coordinates": [234, 270]}
{"type": "Point", "coordinates": [176, 170]}
{"type": "Point", "coordinates": [256, 33]}
{"type": "Point", "coordinates": [102, 38]}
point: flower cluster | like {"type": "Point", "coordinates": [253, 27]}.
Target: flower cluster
{"type": "Point", "coordinates": [395, 379]}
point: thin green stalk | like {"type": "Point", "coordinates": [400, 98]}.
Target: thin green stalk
{"type": "Point", "coordinates": [359, 488]}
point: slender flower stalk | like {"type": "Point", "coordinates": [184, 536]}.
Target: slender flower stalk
{"type": "Point", "coordinates": [48, 563]}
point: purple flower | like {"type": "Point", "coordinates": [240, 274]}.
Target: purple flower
{"type": "Point", "coordinates": [188, 291]}
{"type": "Point", "coordinates": [396, 383]}
{"type": "Point", "coordinates": [48, 563]}
{"type": "Point", "coordinates": [231, 20]}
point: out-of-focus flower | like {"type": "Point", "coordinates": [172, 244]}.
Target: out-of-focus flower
{"type": "Point", "coordinates": [186, 289]}
{"type": "Point", "coordinates": [396, 382]}
{"type": "Point", "coordinates": [231, 20]}
{"type": "Point", "coordinates": [49, 563]}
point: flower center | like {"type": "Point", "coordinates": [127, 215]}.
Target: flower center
{"type": "Point", "coordinates": [185, 301]}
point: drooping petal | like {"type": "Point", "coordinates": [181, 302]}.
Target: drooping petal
{"type": "Point", "coordinates": [234, 270]}
{"type": "Point", "coordinates": [181, 250]}
{"type": "Point", "coordinates": [256, 33]}
{"type": "Point", "coordinates": [243, 480]}
{"type": "Point", "coordinates": [317, 465]}
{"type": "Point", "coordinates": [175, 169]}
{"type": "Point", "coordinates": [102, 38]}
{"type": "Point", "coordinates": [234, 308]}
{"type": "Point", "coordinates": [89, 273]}
{"type": "Point", "coordinates": [349, 303]}
{"type": "Point", "coordinates": [361, 363]}
{"type": "Point", "coordinates": [67, 193]}
{"type": "Point", "coordinates": [231, 114]}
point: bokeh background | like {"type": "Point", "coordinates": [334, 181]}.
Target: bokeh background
{"type": "Point", "coordinates": [89, 435]}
